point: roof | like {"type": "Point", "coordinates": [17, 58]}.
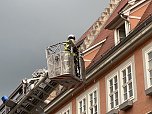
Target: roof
{"type": "Point", "coordinates": [116, 12]}
{"type": "Point", "coordinates": [147, 13]}
{"type": "Point", "coordinates": [108, 34]}
{"type": "Point", "coordinates": [81, 39]}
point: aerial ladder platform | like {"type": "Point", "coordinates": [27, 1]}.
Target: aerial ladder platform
{"type": "Point", "coordinates": [62, 73]}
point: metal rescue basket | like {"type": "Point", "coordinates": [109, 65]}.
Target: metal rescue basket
{"type": "Point", "coordinates": [61, 66]}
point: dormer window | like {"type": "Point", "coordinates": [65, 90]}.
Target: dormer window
{"type": "Point", "coordinates": [121, 27]}
{"type": "Point", "coordinates": [121, 32]}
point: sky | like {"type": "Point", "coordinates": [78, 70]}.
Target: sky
{"type": "Point", "coordinates": [27, 27]}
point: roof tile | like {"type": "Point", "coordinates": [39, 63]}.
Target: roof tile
{"type": "Point", "coordinates": [148, 12]}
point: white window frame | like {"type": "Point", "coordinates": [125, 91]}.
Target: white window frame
{"type": "Point", "coordinates": [108, 88]}
{"type": "Point", "coordinates": [93, 102]}
{"type": "Point", "coordinates": [145, 52]}
{"type": "Point", "coordinates": [117, 70]}
{"type": "Point", "coordinates": [127, 83]}
{"type": "Point", "coordinates": [65, 109]}
{"type": "Point", "coordinates": [81, 100]}
{"type": "Point", "coordinates": [86, 94]}
{"type": "Point", "coordinates": [147, 68]}
{"type": "Point", "coordinates": [116, 33]}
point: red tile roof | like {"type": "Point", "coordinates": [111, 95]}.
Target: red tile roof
{"type": "Point", "coordinates": [116, 11]}
{"type": "Point", "coordinates": [147, 13]}
{"type": "Point", "coordinates": [108, 34]}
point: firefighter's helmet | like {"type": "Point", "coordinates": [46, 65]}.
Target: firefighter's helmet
{"type": "Point", "coordinates": [71, 36]}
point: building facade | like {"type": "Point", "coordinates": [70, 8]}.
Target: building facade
{"type": "Point", "coordinates": [117, 50]}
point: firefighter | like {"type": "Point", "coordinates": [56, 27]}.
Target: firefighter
{"type": "Point", "coordinates": [71, 47]}
{"type": "Point", "coordinates": [70, 43]}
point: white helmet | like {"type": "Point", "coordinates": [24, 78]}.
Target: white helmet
{"type": "Point", "coordinates": [71, 36]}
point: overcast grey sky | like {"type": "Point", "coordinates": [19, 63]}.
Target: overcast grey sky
{"type": "Point", "coordinates": [27, 27]}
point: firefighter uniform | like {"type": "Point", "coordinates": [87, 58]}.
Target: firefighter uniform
{"type": "Point", "coordinates": [72, 49]}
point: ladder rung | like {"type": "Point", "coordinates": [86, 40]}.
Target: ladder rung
{"type": "Point", "coordinates": [22, 108]}
{"type": "Point", "coordinates": [27, 101]}
{"type": "Point", "coordinates": [40, 89]}
{"type": "Point", "coordinates": [34, 96]}
{"type": "Point", "coordinates": [50, 85]}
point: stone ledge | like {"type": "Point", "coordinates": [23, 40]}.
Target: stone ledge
{"type": "Point", "coordinates": [148, 91]}
{"type": "Point", "coordinates": [113, 111]}
{"type": "Point", "coordinates": [126, 105]}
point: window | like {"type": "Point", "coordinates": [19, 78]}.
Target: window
{"type": "Point", "coordinates": [93, 102]}
{"type": "Point", "coordinates": [150, 66]}
{"type": "Point", "coordinates": [121, 85]}
{"type": "Point", "coordinates": [148, 60]}
{"type": "Point", "coordinates": [66, 110]}
{"type": "Point", "coordinates": [82, 106]}
{"type": "Point", "coordinates": [127, 83]}
{"type": "Point", "coordinates": [113, 94]}
{"type": "Point", "coordinates": [88, 102]}
{"type": "Point", "coordinates": [121, 32]}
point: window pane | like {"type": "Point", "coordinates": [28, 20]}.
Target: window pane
{"type": "Point", "coordinates": [91, 99]}
{"type": "Point", "coordinates": [111, 98]}
{"type": "Point", "coordinates": [111, 82]}
{"type": "Point", "coordinates": [125, 96]}
{"type": "Point", "coordinates": [80, 103]}
{"type": "Point", "coordinates": [96, 108]}
{"type": "Point", "coordinates": [95, 97]}
{"type": "Point", "coordinates": [121, 31]}
{"type": "Point", "coordinates": [116, 102]}
{"type": "Point", "coordinates": [116, 95]}
{"type": "Point", "coordinates": [129, 69]}
{"type": "Point", "coordinates": [116, 98]}
{"type": "Point", "coordinates": [129, 76]}
{"type": "Point", "coordinates": [116, 86]}
{"type": "Point", "coordinates": [95, 100]}
{"type": "Point", "coordinates": [84, 104]}
{"type": "Point", "coordinates": [95, 93]}
{"type": "Point", "coordinates": [111, 85]}
{"type": "Point", "coordinates": [150, 55]}
{"type": "Point", "coordinates": [150, 73]}
{"type": "Point", "coordinates": [125, 89]}
{"type": "Point", "coordinates": [125, 92]}
{"type": "Point", "coordinates": [91, 111]}
{"type": "Point", "coordinates": [130, 90]}
{"type": "Point", "coordinates": [129, 73]}
{"type": "Point", "coordinates": [150, 77]}
{"type": "Point", "coordinates": [150, 60]}
{"type": "Point", "coordinates": [130, 93]}
{"type": "Point", "coordinates": [124, 76]}
{"type": "Point", "coordinates": [150, 64]}
{"type": "Point", "coordinates": [130, 85]}
{"type": "Point", "coordinates": [112, 105]}
{"type": "Point", "coordinates": [115, 79]}
{"type": "Point", "coordinates": [111, 89]}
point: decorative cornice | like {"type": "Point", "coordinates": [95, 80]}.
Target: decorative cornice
{"type": "Point", "coordinates": [98, 24]}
